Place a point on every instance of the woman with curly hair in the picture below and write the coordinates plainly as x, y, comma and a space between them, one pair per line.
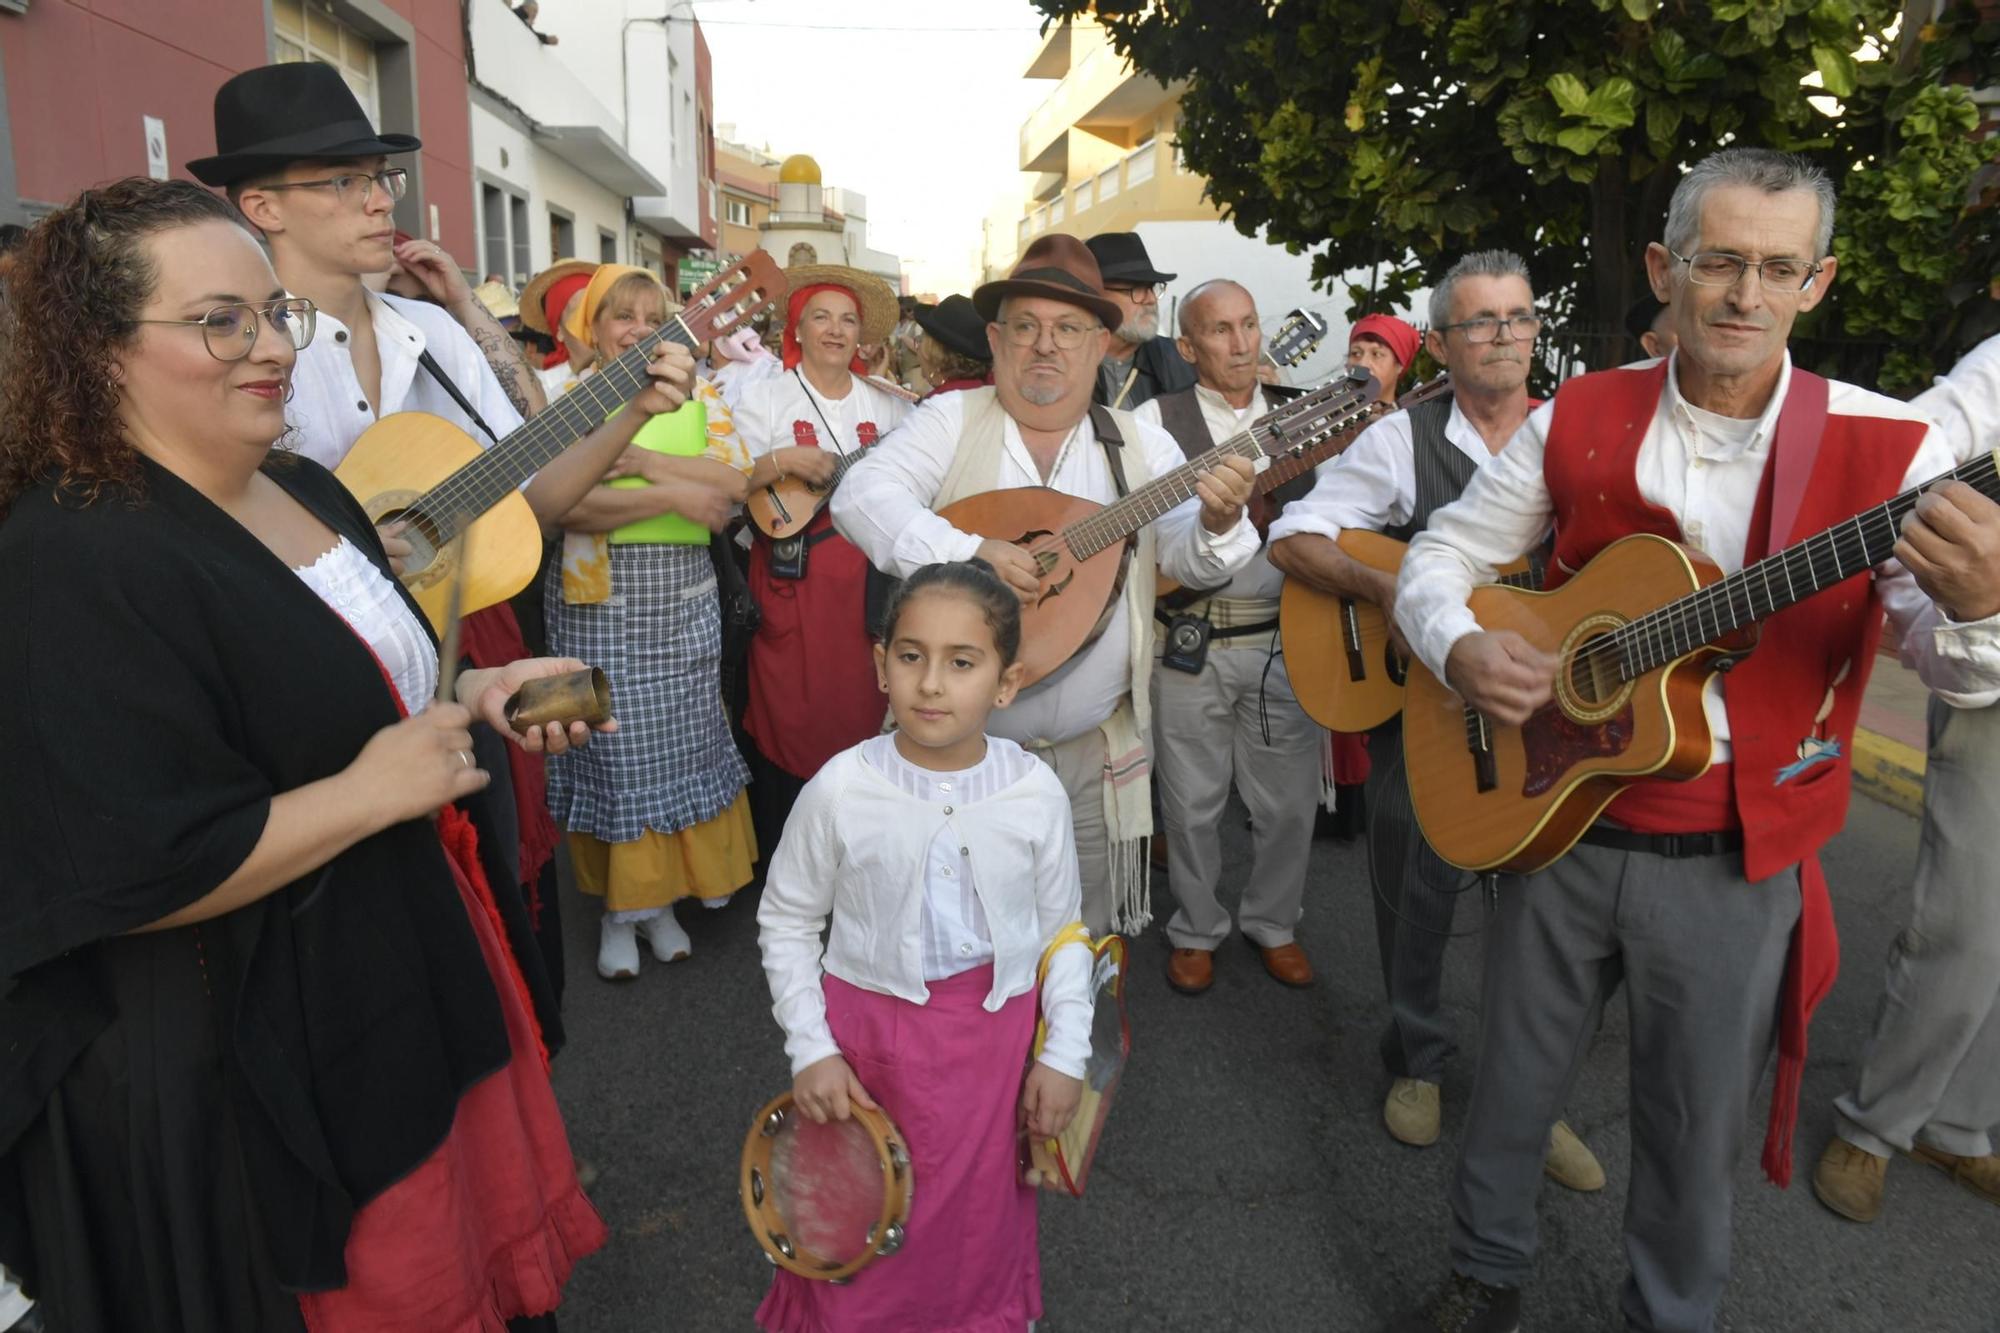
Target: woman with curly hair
268, 1061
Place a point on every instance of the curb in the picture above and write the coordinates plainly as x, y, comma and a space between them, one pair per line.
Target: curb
1889, 771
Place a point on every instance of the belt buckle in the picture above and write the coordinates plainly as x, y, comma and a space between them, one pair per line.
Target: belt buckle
1677, 846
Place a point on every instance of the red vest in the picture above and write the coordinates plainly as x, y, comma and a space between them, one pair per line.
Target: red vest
1774, 697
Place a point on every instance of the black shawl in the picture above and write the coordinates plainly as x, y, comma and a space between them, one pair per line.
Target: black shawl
309, 1050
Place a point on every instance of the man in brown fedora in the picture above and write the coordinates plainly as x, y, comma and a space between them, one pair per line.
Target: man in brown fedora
1036, 426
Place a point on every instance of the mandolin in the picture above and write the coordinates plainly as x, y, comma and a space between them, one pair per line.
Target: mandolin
1637, 632
1082, 548
1343, 664
421, 470
788, 504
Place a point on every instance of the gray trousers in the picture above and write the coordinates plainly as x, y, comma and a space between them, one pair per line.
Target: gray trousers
1079, 762
1931, 1071
1702, 955
1415, 896
1211, 726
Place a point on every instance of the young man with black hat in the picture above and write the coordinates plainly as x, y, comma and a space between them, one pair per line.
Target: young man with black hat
1037, 427
1138, 362
300, 159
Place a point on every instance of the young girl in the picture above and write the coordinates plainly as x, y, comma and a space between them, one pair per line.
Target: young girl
945, 859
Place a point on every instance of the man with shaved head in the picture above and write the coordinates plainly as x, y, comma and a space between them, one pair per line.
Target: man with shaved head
1223, 705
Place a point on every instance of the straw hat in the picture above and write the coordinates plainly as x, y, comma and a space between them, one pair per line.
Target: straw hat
877, 299
499, 302
538, 286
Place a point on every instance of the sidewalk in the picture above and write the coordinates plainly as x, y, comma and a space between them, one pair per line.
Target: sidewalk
1889, 740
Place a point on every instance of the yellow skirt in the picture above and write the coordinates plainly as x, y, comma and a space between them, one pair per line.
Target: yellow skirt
709, 860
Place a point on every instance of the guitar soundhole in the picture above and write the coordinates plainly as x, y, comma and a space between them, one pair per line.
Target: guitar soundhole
1593, 676
423, 536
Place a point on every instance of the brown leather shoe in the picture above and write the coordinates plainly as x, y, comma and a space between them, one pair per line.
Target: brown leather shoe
1287, 963
1191, 971
1981, 1175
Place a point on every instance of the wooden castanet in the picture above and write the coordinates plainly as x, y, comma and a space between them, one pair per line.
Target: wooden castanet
1077, 596
1343, 663
1492, 797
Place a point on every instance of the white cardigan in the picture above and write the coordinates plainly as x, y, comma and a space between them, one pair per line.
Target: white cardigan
855, 850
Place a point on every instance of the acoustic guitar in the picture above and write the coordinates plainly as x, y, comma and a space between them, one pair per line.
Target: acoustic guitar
1344, 666
1081, 547
1637, 634
421, 470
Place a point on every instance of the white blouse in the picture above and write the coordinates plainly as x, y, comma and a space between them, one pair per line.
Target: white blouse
861, 848
348, 582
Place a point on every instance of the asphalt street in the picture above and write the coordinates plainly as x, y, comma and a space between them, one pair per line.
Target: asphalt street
1246, 1181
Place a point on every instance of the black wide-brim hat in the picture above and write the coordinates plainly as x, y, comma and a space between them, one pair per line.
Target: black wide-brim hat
268, 117
1122, 257
955, 323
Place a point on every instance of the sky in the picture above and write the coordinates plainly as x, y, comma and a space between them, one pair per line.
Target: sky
916, 104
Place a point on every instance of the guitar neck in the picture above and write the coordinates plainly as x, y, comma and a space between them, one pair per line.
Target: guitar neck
453, 504
1779, 580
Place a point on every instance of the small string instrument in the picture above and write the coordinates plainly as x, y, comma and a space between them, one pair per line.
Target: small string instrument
421, 470
1636, 633
1082, 548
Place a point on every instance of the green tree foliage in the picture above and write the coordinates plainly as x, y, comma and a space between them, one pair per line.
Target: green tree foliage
1403, 133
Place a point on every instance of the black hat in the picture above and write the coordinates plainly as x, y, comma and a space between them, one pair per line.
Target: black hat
1122, 257
1639, 319
955, 323
267, 117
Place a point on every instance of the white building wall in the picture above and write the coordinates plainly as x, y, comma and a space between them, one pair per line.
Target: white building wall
505, 156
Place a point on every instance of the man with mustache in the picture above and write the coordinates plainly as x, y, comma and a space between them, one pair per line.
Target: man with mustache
1036, 426
1139, 363
1228, 708
1705, 899
1394, 476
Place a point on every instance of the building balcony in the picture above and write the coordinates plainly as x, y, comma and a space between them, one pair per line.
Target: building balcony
1098, 93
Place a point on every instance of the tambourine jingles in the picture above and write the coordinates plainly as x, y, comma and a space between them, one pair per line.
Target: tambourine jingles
825, 1200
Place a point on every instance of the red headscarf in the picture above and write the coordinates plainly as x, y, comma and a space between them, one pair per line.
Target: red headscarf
554, 300
796, 304
1392, 333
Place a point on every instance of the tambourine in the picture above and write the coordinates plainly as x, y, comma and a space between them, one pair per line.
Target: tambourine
825, 1200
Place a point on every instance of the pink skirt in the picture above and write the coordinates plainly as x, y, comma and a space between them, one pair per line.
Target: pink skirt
949, 1074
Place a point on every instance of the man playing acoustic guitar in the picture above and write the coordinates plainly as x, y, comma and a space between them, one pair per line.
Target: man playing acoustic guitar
1390, 480
1704, 897
1036, 427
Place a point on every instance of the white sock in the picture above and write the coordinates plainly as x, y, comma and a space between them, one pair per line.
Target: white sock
717, 904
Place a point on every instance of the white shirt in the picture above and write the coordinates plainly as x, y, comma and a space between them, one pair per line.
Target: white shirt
329, 411
1372, 484
1966, 403
1259, 580
883, 507
349, 583
857, 849
1707, 476
770, 407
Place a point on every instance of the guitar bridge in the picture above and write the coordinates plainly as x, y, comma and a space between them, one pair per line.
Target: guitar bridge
1479, 742
1350, 630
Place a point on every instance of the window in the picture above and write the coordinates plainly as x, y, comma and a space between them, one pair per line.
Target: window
1041, 220
1139, 164
1024, 231
503, 227
607, 247
562, 237
1056, 211
1107, 182
313, 34
739, 212
1084, 195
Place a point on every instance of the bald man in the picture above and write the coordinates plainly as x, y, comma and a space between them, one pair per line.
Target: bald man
1223, 705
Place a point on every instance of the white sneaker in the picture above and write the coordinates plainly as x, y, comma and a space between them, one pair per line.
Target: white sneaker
617, 950
717, 904
670, 943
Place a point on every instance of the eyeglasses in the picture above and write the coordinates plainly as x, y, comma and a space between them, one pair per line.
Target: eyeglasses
230, 331
1140, 292
1026, 331
1486, 328
1718, 268
393, 181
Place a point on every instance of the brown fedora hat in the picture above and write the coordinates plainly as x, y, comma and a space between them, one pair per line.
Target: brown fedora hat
1056, 267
